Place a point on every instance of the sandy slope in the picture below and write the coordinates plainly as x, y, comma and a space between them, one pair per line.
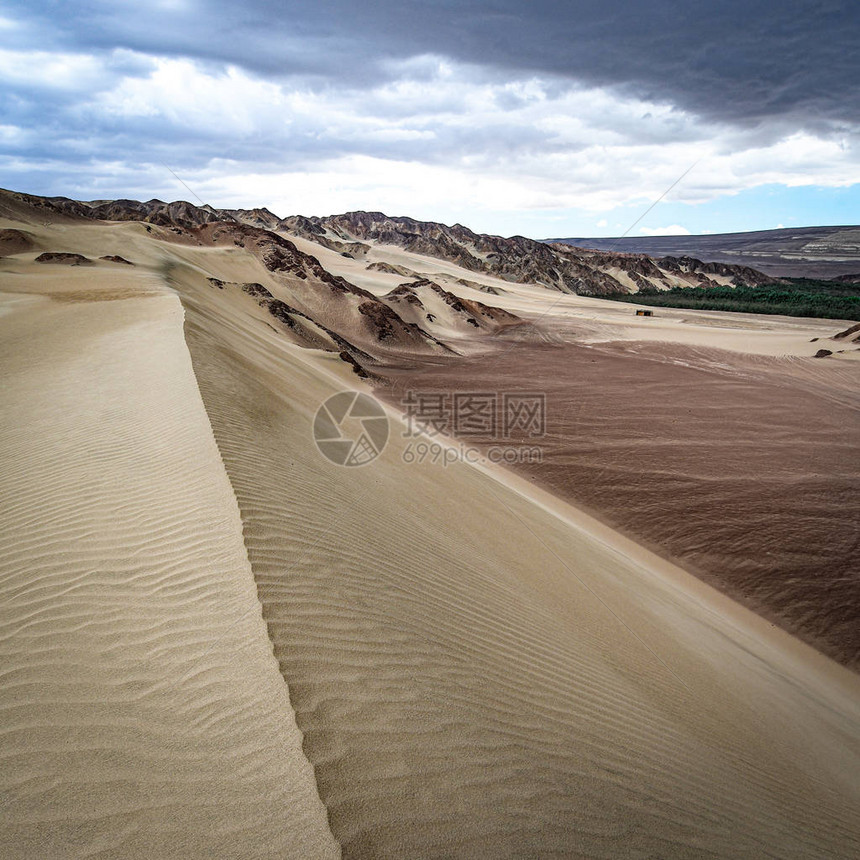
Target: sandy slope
746, 469
475, 676
477, 670
141, 710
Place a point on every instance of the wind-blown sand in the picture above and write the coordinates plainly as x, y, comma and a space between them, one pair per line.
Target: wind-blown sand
141, 710
476, 676
468, 666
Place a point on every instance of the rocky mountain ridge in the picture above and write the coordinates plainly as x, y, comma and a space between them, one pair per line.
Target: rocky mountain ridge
790, 252
523, 260
517, 259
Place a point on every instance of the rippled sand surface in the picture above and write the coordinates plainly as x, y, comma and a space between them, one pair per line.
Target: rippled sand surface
478, 674
141, 710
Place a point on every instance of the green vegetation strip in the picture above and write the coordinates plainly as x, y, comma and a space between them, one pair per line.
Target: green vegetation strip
795, 297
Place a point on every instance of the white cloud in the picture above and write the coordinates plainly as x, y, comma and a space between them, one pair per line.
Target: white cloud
548, 146
50, 70
12, 134
671, 230
356, 182
439, 136
228, 102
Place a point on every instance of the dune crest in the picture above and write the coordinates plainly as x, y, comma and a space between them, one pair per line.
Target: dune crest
474, 675
141, 710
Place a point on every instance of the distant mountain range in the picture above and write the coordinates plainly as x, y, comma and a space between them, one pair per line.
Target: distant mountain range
798, 252
516, 259
585, 265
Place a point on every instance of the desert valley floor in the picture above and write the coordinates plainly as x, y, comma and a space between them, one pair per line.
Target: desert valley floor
216, 643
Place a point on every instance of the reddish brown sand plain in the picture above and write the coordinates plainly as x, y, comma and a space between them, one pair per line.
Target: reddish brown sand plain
744, 469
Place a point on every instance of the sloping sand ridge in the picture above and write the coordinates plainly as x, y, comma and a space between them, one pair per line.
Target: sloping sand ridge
141, 710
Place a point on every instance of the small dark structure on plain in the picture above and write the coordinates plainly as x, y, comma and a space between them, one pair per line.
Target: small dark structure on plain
641, 312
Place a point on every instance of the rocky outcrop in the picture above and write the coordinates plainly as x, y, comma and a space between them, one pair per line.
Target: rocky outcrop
387, 326
739, 275
114, 258
15, 242
308, 228
63, 258
430, 303
179, 214
390, 269
308, 330
259, 217
348, 309
278, 254
852, 333
484, 288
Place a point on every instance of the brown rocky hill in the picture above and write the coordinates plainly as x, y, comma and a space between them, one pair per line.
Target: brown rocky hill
519, 259
179, 214
427, 304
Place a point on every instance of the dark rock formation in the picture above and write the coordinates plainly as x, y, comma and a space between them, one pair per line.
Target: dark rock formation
359, 370
472, 313
15, 242
64, 259
740, 275
853, 330
389, 269
256, 290
519, 259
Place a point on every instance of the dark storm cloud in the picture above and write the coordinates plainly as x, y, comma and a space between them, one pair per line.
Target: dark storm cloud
733, 61
507, 106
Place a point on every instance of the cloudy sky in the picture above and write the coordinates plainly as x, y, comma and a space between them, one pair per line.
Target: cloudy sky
541, 118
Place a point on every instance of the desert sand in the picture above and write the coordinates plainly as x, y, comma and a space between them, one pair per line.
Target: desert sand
217, 643
141, 709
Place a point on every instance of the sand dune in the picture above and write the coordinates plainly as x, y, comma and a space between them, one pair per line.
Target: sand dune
464, 665
475, 676
141, 711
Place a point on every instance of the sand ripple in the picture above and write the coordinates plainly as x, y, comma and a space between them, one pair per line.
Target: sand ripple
475, 677
141, 711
